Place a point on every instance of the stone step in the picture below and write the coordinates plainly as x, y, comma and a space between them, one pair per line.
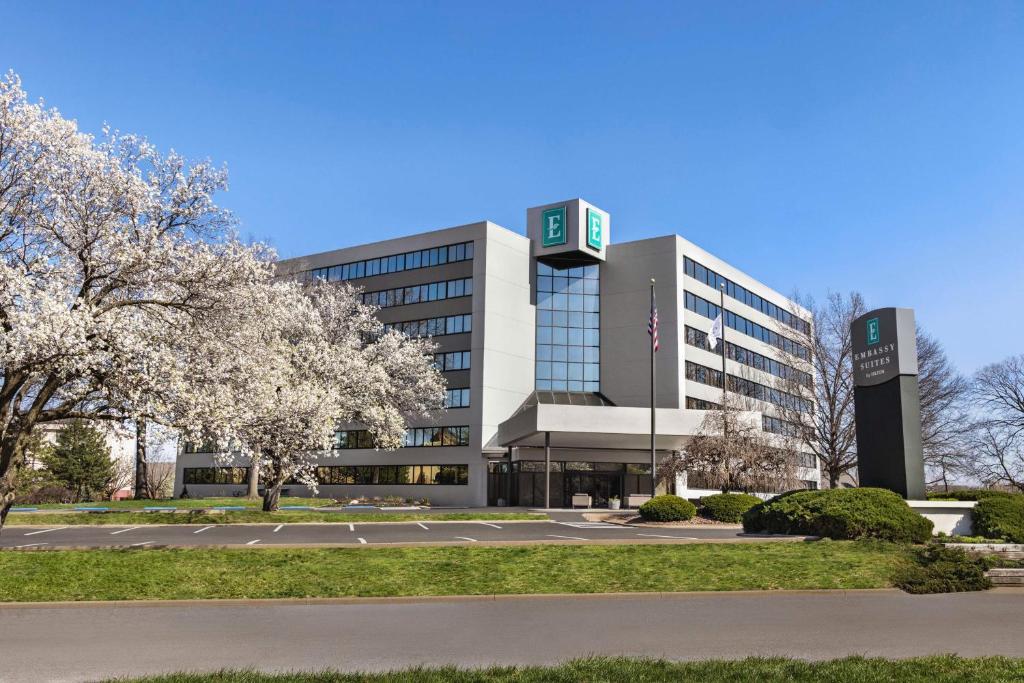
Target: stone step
1006, 577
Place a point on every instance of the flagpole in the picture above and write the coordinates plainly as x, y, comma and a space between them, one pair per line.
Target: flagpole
721, 308
654, 475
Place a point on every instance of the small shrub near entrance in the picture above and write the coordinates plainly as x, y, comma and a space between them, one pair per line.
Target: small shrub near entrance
1000, 517
727, 507
840, 514
938, 569
971, 494
667, 509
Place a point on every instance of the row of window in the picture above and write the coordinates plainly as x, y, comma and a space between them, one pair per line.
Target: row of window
410, 260
582, 466
452, 360
415, 294
588, 272
695, 337
456, 398
216, 475
711, 377
709, 310
415, 437
434, 327
778, 426
370, 475
693, 403
449, 475
740, 293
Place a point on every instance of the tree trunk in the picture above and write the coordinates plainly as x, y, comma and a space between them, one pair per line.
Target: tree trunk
254, 478
833, 479
141, 480
272, 496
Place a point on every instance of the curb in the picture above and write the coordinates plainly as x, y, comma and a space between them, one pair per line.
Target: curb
412, 599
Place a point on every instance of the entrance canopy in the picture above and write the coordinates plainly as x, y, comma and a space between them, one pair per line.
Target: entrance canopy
599, 425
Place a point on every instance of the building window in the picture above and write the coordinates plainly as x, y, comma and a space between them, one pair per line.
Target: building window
568, 341
216, 475
700, 404
414, 437
452, 360
709, 310
745, 387
410, 260
416, 294
715, 281
698, 339
434, 327
390, 475
456, 398
810, 484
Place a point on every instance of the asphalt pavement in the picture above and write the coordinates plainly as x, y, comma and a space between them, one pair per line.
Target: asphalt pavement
356, 534
90, 642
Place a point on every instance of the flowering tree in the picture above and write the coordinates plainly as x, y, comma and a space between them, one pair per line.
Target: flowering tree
112, 257
318, 358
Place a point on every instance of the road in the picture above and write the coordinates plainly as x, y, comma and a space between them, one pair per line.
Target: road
89, 642
355, 534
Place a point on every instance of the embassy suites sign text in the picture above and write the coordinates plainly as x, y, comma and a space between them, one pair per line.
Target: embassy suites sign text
884, 346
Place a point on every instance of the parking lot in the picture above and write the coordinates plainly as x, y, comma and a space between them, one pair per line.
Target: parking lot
354, 534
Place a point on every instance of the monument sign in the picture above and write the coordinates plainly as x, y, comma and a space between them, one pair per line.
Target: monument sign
887, 402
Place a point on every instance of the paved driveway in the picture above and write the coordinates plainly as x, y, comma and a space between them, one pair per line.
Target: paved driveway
87, 642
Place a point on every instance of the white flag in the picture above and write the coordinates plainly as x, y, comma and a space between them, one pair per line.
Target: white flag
716, 332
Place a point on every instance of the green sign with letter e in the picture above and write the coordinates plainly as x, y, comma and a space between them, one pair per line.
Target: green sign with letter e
553, 227
595, 225
873, 331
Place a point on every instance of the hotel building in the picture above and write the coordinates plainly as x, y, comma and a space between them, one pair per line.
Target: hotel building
543, 342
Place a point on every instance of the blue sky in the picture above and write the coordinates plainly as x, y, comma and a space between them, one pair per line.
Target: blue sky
818, 146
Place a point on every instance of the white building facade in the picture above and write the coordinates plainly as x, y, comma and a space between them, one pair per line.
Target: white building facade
543, 342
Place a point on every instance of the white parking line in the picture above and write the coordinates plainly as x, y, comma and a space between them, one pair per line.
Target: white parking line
571, 538
253, 541
423, 526
30, 545
199, 531
466, 538
351, 527
44, 531
114, 533
278, 528
682, 538
489, 524
136, 545
362, 540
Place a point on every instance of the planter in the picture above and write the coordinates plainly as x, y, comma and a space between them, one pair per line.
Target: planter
614, 504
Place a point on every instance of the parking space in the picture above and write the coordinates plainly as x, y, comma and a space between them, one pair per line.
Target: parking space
343, 534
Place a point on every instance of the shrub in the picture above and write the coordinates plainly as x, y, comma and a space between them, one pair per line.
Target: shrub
971, 494
1000, 517
937, 569
727, 507
840, 514
667, 509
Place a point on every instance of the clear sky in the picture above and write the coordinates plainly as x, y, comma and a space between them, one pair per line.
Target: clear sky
819, 146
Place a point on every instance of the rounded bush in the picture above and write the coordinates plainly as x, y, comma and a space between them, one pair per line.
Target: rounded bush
840, 514
667, 509
727, 507
1000, 517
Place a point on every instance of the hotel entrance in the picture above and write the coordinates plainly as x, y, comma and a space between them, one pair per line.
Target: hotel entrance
521, 483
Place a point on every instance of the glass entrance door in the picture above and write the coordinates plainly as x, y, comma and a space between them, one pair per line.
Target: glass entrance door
600, 485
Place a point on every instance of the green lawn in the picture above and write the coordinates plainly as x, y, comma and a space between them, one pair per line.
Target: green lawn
252, 517
182, 503
940, 669
207, 573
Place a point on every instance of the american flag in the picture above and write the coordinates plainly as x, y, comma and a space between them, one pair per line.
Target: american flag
652, 324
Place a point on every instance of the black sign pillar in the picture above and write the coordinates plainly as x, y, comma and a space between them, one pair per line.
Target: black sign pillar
887, 402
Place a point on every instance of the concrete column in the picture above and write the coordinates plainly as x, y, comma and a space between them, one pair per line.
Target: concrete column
547, 470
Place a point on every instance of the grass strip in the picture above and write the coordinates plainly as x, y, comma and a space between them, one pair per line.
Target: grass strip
252, 517
936, 669
206, 573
